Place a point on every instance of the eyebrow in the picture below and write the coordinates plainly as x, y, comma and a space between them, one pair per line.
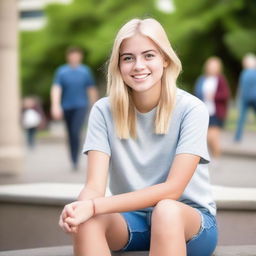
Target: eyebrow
127, 53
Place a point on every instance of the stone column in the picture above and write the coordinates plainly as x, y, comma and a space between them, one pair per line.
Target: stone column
11, 155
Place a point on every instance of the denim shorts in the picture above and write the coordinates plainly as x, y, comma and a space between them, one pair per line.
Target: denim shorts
139, 226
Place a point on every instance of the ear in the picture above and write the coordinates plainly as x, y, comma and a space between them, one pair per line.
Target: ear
166, 63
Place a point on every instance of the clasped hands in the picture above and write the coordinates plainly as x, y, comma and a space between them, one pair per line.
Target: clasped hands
74, 214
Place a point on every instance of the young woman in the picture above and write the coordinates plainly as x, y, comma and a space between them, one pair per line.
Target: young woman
212, 88
151, 139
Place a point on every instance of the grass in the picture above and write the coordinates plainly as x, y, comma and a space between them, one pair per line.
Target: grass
232, 118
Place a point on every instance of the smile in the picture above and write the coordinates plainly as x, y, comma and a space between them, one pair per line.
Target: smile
141, 76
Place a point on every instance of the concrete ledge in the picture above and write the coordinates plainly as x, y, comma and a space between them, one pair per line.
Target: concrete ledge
228, 198
45, 201
234, 198
237, 152
40, 193
248, 250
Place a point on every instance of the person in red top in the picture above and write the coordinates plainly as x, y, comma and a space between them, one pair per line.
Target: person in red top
213, 89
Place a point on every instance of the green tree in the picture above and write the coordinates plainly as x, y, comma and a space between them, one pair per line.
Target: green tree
200, 28
89, 24
197, 29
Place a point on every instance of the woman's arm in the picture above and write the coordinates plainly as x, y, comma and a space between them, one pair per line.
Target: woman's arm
180, 174
97, 173
95, 186
182, 170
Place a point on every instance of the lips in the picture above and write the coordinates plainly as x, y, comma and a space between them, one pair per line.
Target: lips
140, 76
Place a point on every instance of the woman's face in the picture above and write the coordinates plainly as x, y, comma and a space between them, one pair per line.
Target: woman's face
141, 63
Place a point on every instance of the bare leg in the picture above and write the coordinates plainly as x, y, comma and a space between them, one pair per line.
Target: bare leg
100, 234
173, 223
214, 141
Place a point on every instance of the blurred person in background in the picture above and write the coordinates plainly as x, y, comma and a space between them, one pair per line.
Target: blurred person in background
212, 88
246, 92
33, 118
72, 93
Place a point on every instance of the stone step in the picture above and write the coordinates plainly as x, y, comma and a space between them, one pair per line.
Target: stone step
44, 202
245, 250
228, 198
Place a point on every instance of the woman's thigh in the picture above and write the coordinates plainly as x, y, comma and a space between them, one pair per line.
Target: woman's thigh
117, 234
202, 243
199, 226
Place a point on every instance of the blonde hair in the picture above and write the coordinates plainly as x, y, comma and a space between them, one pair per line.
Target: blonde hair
122, 106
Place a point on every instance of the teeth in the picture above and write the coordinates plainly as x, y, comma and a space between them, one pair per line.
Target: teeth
140, 76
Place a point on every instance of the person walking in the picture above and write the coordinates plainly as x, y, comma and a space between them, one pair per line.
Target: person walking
213, 89
72, 92
246, 93
150, 139
33, 118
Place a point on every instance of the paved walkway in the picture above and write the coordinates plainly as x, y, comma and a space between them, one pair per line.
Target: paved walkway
245, 148
237, 166
49, 162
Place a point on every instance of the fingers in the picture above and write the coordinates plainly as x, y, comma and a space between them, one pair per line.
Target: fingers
63, 215
72, 222
69, 213
69, 209
66, 227
62, 218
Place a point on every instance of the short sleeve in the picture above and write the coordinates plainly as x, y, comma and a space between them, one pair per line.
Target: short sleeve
97, 134
193, 133
57, 77
90, 81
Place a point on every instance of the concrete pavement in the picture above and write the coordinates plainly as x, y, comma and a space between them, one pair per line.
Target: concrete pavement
49, 162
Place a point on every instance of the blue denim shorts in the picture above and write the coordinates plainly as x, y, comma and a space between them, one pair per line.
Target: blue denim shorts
139, 226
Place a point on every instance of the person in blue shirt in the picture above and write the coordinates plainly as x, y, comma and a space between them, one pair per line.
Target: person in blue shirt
246, 93
72, 92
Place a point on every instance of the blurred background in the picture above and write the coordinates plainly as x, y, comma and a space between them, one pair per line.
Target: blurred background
34, 37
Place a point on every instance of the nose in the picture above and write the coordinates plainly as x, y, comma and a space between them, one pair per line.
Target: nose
139, 64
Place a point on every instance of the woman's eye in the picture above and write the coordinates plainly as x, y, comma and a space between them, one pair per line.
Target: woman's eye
149, 56
128, 58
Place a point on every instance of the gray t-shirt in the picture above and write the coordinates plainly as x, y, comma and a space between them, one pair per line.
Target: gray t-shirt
146, 160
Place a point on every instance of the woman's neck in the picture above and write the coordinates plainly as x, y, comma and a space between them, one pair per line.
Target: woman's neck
147, 100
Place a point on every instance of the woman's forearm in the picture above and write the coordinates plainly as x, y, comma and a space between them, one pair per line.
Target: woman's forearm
131, 201
88, 193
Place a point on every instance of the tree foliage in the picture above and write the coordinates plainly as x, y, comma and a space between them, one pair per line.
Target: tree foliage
197, 30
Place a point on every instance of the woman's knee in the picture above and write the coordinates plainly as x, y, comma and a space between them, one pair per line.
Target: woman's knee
167, 212
111, 226
99, 222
